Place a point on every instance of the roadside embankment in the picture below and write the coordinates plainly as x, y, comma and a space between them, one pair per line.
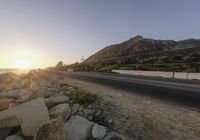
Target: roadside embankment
178, 75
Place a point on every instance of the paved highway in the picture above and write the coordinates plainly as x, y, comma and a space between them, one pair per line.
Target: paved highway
175, 90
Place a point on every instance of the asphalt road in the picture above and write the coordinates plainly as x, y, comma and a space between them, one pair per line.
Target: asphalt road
174, 90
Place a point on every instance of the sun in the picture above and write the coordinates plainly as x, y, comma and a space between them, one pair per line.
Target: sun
23, 64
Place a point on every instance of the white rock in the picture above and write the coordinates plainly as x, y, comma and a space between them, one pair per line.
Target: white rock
90, 118
98, 131
65, 87
87, 112
110, 121
52, 101
14, 137
61, 110
75, 108
77, 128
97, 113
89, 106
29, 116
70, 89
81, 108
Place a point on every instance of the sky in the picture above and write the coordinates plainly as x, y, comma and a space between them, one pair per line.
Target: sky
40, 33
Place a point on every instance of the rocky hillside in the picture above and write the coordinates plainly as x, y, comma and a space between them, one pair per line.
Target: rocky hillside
141, 50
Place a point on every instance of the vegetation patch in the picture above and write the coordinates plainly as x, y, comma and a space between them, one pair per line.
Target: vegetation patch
61, 83
81, 97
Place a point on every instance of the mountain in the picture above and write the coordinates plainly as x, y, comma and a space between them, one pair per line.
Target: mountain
139, 50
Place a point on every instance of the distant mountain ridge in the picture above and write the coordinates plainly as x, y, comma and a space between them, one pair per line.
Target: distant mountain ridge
138, 46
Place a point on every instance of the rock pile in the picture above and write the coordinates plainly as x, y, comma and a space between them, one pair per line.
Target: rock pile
44, 112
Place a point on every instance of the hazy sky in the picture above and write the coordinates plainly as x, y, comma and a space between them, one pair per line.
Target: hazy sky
46, 31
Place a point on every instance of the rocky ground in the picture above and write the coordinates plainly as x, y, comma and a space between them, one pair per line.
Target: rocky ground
138, 116
33, 106
48, 105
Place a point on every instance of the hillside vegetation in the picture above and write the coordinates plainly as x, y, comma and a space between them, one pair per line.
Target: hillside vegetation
140, 53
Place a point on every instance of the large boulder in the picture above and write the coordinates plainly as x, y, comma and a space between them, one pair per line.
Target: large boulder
14, 137
43, 93
98, 131
52, 130
29, 116
2, 86
11, 86
77, 128
5, 102
52, 101
6, 78
25, 97
44, 83
61, 110
12, 94
21, 95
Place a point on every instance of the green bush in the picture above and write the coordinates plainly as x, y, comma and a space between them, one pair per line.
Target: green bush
81, 97
105, 69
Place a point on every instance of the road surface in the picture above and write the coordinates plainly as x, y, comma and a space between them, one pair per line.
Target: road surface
175, 90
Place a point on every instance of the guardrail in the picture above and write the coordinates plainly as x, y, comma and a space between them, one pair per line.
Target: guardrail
178, 75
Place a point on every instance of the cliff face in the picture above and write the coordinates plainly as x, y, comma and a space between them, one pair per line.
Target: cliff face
143, 47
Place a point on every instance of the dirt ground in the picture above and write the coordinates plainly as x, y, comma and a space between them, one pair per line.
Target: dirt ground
141, 117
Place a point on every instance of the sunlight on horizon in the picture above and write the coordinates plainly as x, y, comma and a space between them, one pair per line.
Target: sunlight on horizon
24, 58
23, 64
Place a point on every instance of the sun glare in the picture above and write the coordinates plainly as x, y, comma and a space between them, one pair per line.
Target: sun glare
23, 64
23, 57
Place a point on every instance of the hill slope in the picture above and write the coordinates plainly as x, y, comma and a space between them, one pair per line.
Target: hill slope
144, 49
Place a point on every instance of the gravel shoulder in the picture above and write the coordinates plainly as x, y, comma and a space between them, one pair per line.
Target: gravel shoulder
141, 117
